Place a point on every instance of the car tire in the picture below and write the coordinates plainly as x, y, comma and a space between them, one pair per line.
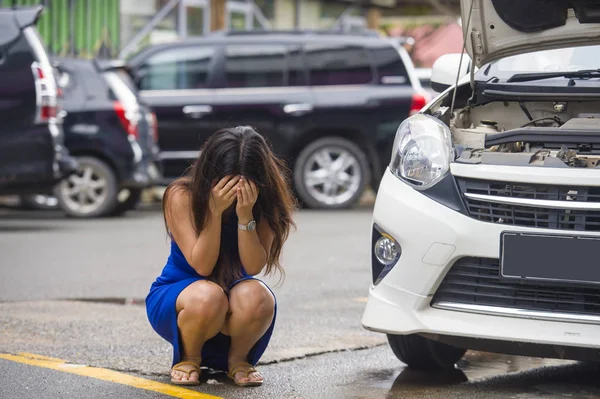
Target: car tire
424, 354
331, 186
91, 192
130, 203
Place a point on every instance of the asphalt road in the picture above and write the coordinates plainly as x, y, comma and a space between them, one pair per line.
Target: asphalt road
74, 290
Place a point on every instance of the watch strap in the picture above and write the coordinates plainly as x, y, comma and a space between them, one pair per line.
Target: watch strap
246, 227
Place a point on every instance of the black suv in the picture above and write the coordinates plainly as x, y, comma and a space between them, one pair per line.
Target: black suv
32, 155
112, 134
329, 104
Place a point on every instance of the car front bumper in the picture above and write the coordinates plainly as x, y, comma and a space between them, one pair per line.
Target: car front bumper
432, 238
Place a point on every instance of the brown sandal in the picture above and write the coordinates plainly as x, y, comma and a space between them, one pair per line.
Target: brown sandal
189, 382
247, 369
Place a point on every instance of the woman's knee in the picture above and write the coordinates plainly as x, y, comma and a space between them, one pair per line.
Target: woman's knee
252, 298
203, 297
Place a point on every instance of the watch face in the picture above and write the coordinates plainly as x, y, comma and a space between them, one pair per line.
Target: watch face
251, 225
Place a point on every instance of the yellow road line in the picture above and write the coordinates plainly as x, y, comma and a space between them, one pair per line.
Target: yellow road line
105, 375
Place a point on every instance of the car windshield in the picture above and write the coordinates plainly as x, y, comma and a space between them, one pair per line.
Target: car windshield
559, 60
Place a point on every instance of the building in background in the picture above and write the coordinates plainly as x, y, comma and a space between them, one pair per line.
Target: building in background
158, 21
119, 28
78, 27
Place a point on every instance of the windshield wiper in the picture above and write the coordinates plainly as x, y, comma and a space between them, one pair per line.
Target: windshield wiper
581, 74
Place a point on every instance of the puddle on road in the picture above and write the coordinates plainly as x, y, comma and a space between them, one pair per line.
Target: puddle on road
498, 373
482, 365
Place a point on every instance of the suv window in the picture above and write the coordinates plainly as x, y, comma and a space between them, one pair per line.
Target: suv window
390, 68
332, 64
255, 66
176, 69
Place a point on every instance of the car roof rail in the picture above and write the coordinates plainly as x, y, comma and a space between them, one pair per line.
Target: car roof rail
106, 65
299, 32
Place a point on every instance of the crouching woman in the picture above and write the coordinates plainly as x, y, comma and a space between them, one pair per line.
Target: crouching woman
227, 219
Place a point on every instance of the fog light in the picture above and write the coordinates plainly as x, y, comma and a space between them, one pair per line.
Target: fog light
386, 251
385, 254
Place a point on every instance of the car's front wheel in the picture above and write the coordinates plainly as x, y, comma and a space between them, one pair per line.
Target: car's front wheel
331, 173
91, 192
424, 354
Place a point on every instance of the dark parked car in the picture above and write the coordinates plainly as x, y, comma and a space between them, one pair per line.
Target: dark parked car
329, 104
32, 155
111, 133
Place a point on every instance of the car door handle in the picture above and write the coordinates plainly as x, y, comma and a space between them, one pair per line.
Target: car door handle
297, 109
197, 111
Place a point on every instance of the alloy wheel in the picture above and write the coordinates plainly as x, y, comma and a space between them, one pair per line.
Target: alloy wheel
86, 191
332, 175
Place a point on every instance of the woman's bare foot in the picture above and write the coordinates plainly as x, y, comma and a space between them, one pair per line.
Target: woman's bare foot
187, 371
242, 376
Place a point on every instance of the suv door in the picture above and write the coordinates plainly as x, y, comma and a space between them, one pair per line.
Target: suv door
263, 85
341, 79
175, 82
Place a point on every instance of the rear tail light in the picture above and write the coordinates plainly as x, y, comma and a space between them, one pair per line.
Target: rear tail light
127, 119
39, 72
46, 94
47, 112
418, 102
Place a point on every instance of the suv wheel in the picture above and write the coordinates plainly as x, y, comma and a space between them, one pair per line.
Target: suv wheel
91, 192
424, 354
331, 173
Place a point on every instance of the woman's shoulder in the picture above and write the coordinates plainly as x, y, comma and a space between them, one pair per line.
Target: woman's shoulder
178, 192
177, 201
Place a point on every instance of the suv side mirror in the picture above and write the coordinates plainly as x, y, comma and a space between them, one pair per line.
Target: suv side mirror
445, 69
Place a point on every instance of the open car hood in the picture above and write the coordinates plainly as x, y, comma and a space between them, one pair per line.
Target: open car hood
501, 28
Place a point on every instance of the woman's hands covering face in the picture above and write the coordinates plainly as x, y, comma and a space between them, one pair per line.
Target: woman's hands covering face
224, 193
247, 194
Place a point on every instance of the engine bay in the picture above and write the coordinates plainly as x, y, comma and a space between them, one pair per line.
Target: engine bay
537, 133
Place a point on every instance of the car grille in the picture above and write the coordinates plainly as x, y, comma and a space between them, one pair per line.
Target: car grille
533, 205
477, 281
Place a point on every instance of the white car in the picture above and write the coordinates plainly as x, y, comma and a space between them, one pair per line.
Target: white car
486, 227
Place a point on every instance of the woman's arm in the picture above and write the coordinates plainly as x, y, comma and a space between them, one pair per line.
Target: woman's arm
200, 250
254, 246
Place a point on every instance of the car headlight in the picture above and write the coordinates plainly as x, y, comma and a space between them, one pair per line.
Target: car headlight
422, 151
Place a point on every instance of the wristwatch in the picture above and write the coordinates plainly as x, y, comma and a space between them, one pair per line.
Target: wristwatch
248, 227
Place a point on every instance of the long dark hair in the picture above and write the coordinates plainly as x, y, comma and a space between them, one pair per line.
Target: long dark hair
240, 151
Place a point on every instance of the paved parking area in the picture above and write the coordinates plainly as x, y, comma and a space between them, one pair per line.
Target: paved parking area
73, 290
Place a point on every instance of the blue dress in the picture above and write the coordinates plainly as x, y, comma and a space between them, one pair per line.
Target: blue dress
162, 313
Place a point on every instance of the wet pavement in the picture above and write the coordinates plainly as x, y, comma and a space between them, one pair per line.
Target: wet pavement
377, 374
361, 374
